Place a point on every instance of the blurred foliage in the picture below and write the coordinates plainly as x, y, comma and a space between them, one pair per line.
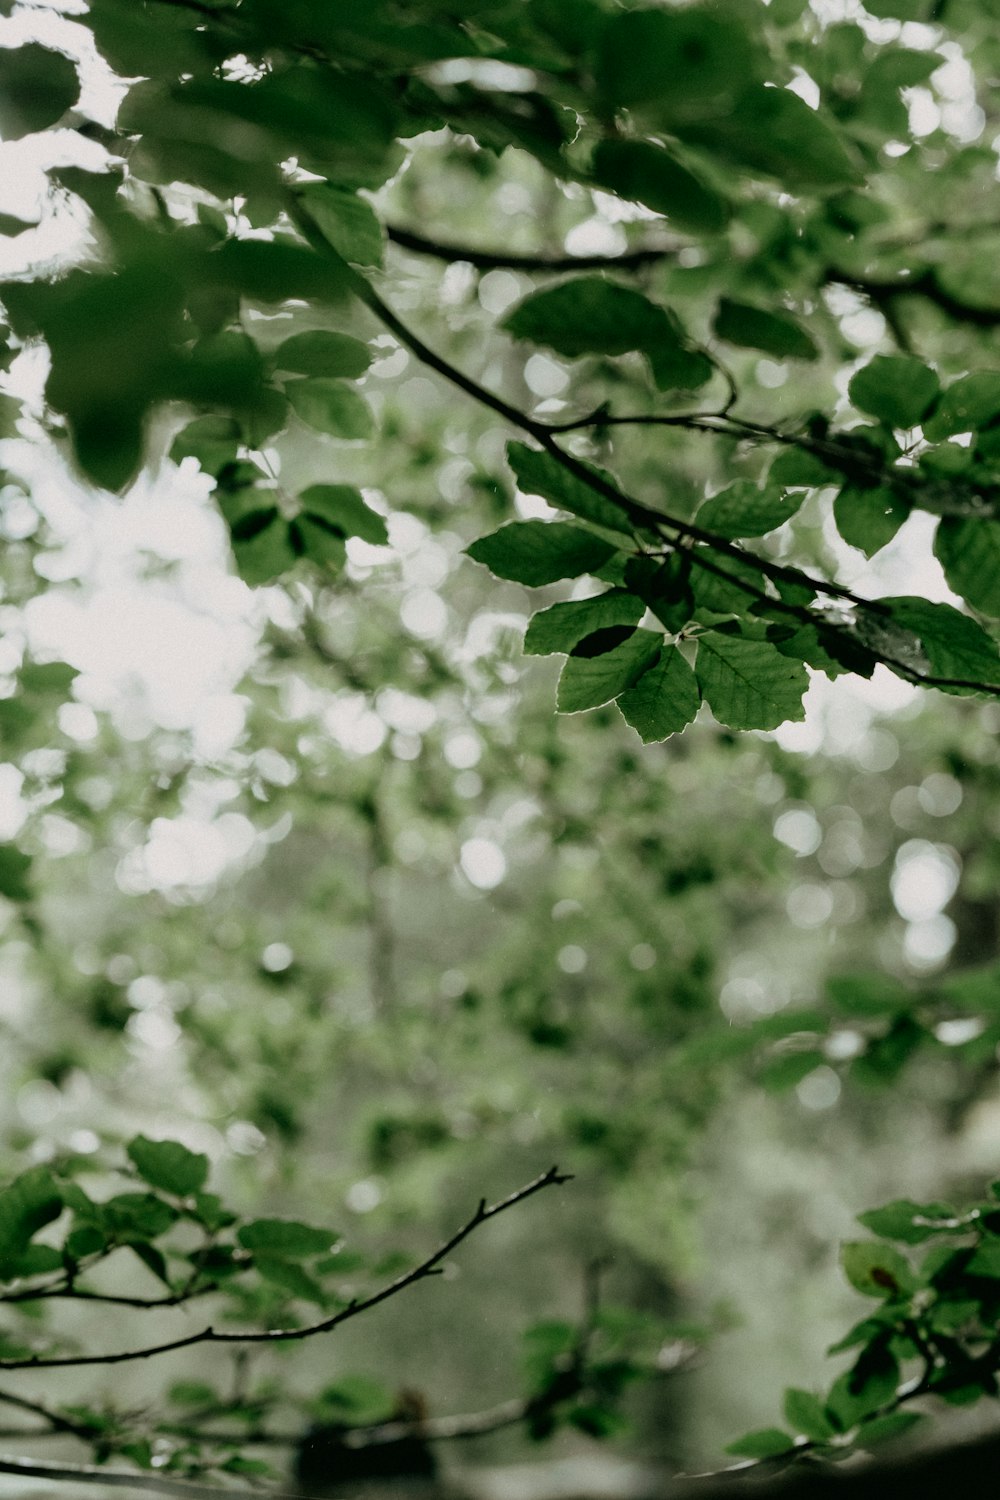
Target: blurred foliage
300, 874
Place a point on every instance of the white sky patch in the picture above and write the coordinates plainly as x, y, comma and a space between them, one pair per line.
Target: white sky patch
924, 880
483, 863
175, 646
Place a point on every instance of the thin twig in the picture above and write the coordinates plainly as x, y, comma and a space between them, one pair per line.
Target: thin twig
429, 1267
134, 1479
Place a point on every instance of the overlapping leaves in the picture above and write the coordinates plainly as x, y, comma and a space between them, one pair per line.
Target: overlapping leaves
933, 1333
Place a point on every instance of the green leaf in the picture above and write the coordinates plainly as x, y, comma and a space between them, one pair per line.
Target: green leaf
320, 353
348, 222
588, 315
26, 1206
867, 994
168, 1165
882, 1429
563, 626
591, 315
331, 406
766, 1442
745, 510
664, 700
290, 1277
538, 473
967, 405
286, 1238
896, 389
706, 57
789, 1068
869, 1385
14, 868
777, 334
749, 684
540, 552
877, 1270
804, 1413
310, 537
588, 681
37, 87
955, 645
799, 469
869, 519
775, 132
649, 174
213, 441
969, 553
342, 509
266, 552
909, 1222
137, 1216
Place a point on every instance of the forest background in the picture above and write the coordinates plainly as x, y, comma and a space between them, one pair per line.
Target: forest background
301, 870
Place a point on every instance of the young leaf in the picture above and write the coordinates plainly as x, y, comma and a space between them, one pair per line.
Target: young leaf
664, 700
749, 684
896, 389
588, 681
540, 552
910, 1222
767, 1442
563, 626
877, 1270
331, 406
804, 1413
775, 333
745, 510
169, 1165
335, 355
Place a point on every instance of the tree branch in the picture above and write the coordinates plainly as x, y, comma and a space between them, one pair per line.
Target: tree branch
924, 285
641, 516
429, 1267
134, 1479
492, 260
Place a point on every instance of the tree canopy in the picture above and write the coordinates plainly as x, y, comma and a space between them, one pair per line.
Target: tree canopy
420, 341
